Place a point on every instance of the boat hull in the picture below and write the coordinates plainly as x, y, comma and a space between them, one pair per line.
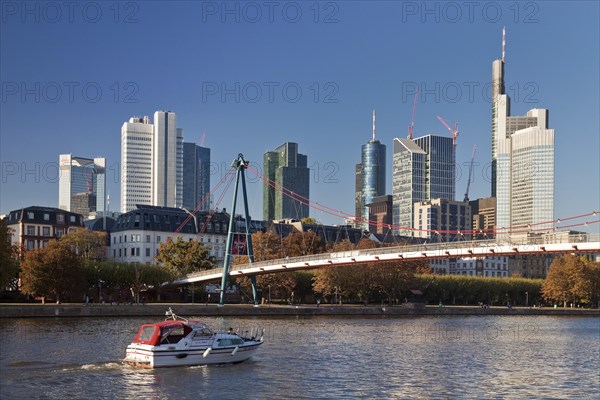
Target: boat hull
156, 357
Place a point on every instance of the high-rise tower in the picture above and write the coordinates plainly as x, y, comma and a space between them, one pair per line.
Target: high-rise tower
82, 184
285, 168
423, 169
370, 181
522, 160
196, 176
151, 162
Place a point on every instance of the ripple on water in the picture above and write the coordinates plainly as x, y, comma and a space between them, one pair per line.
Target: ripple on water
315, 358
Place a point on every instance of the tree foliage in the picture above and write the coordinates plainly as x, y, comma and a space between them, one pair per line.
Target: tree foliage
301, 244
133, 277
52, 271
183, 257
89, 245
572, 280
364, 282
462, 289
9, 266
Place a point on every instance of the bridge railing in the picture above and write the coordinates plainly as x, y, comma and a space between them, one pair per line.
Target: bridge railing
412, 248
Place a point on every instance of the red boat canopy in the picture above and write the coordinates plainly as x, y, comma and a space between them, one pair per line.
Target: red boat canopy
152, 333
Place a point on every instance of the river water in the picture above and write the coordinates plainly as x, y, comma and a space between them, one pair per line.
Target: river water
315, 358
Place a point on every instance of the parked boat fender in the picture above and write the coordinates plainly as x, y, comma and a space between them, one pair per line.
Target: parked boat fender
207, 352
235, 350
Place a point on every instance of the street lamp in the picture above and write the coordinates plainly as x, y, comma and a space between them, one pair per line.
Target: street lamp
99, 291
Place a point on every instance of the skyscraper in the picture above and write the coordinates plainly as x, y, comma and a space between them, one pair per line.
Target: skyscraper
151, 162
372, 177
285, 168
167, 157
82, 184
522, 160
196, 177
408, 182
423, 169
440, 168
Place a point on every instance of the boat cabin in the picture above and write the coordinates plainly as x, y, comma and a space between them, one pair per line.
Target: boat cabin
169, 332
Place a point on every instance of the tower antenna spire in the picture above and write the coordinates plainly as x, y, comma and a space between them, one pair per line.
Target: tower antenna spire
373, 125
503, 43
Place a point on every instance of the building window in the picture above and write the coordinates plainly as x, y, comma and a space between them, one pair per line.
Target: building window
30, 245
60, 218
46, 231
59, 232
46, 217
72, 218
119, 252
133, 251
30, 230
125, 238
30, 215
114, 253
137, 251
147, 251
158, 239
147, 238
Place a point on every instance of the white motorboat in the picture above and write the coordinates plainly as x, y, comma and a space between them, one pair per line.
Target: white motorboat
181, 342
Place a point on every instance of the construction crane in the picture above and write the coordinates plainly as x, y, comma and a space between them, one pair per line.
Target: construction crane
454, 131
412, 120
466, 200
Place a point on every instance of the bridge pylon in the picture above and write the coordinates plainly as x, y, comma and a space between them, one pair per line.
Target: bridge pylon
240, 165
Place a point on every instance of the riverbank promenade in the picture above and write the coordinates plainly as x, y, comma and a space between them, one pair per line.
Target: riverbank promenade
21, 310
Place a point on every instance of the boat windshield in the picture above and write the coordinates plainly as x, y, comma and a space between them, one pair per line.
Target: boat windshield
173, 334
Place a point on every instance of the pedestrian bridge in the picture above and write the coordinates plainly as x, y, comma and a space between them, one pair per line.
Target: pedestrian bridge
578, 243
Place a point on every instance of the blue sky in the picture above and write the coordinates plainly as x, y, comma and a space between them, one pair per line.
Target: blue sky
254, 75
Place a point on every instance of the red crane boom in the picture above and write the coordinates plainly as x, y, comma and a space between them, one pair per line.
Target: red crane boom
454, 131
466, 199
412, 120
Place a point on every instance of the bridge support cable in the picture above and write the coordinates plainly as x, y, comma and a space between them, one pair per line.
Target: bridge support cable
240, 165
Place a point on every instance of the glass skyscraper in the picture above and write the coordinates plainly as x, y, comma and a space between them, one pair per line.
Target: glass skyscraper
408, 183
440, 168
424, 169
82, 184
522, 161
196, 177
372, 178
285, 168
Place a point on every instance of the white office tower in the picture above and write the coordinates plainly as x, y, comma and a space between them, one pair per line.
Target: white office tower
152, 162
522, 164
167, 162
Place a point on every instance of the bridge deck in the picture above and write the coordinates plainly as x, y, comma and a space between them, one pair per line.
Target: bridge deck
584, 243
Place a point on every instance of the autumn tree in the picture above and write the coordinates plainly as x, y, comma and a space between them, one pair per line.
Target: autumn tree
89, 245
54, 270
268, 246
134, 277
9, 266
184, 257
572, 279
365, 281
302, 243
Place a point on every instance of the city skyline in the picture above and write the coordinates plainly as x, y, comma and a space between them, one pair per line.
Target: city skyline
329, 132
